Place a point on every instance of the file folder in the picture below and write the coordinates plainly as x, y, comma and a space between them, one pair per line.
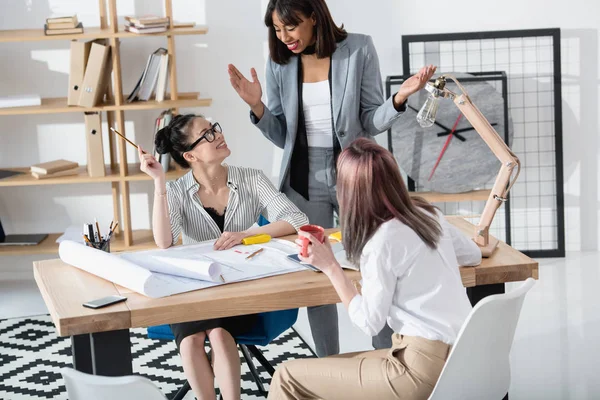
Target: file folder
80, 52
96, 76
95, 149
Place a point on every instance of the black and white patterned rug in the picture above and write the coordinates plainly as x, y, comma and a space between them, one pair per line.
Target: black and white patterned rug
31, 356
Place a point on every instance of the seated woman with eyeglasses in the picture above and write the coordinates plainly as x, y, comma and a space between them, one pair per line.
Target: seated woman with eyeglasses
212, 201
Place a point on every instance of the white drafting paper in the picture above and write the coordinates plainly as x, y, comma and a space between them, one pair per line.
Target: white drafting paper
149, 274
192, 266
124, 273
71, 233
233, 264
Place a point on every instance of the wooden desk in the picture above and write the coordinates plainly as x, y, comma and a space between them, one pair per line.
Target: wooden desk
65, 288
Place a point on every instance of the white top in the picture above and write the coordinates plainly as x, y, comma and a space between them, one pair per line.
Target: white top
418, 291
316, 103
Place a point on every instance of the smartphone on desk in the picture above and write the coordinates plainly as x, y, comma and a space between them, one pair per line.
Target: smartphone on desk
105, 301
294, 257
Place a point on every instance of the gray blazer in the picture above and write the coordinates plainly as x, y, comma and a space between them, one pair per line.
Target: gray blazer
359, 109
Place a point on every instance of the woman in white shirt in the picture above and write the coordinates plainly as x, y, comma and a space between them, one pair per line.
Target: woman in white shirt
211, 201
409, 258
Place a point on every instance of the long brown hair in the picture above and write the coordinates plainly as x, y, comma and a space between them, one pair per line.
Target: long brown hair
371, 191
327, 33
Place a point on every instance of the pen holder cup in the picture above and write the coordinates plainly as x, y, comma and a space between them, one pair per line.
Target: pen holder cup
104, 246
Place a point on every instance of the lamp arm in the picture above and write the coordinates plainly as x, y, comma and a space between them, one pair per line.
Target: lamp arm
508, 159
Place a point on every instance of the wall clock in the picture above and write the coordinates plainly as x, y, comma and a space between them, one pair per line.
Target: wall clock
450, 156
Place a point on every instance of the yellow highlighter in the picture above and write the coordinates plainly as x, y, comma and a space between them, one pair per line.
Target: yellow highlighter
256, 239
336, 236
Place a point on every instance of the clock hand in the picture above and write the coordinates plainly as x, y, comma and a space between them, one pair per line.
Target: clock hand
445, 146
461, 130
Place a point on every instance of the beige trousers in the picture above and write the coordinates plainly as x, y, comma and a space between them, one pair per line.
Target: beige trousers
409, 370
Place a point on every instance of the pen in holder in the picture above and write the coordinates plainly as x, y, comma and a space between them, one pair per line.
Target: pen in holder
95, 239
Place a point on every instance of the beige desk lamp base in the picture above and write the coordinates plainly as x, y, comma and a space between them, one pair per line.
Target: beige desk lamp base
487, 251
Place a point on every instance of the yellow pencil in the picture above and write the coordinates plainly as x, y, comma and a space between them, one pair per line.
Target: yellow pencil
127, 140
98, 229
253, 254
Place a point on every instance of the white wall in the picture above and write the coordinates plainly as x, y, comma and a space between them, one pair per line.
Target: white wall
237, 35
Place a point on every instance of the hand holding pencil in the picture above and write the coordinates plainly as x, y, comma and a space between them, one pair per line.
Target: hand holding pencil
150, 166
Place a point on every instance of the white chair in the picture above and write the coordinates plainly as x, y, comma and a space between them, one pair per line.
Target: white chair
82, 386
478, 366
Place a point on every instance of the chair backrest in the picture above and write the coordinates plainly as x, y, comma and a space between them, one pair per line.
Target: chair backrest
478, 366
81, 386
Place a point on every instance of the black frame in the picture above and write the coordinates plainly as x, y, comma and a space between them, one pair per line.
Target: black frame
554, 33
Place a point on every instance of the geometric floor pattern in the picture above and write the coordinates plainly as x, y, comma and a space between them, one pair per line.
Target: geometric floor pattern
31, 356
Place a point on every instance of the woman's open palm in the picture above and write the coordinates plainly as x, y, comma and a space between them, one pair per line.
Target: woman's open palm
417, 81
250, 92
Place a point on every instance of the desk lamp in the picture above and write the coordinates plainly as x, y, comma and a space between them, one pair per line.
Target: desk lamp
508, 160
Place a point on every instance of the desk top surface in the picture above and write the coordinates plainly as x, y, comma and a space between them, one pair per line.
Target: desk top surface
65, 288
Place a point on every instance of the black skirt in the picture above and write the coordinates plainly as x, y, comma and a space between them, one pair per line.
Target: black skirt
236, 326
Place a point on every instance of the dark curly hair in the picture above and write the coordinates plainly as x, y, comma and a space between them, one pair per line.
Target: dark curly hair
175, 138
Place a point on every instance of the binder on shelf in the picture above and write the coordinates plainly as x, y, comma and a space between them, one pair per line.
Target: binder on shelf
147, 83
95, 79
95, 149
163, 73
163, 120
80, 52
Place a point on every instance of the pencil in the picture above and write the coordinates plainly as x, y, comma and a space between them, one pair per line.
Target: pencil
87, 240
255, 253
127, 140
98, 229
222, 279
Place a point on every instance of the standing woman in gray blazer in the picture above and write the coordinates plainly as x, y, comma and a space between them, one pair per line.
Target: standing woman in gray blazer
324, 90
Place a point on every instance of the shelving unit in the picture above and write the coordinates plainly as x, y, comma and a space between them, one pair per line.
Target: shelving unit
37, 35
57, 105
119, 173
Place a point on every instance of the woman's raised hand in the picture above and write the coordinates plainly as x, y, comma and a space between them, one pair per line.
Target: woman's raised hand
150, 166
250, 92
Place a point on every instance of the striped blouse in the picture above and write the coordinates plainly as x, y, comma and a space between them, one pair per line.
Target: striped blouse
251, 194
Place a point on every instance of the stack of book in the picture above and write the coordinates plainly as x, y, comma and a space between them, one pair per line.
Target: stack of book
146, 24
163, 120
62, 26
153, 78
53, 169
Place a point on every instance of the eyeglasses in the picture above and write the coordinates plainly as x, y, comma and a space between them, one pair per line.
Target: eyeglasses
209, 135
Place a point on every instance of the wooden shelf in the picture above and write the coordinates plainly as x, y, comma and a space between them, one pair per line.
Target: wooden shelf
435, 197
142, 239
35, 35
112, 175
59, 105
